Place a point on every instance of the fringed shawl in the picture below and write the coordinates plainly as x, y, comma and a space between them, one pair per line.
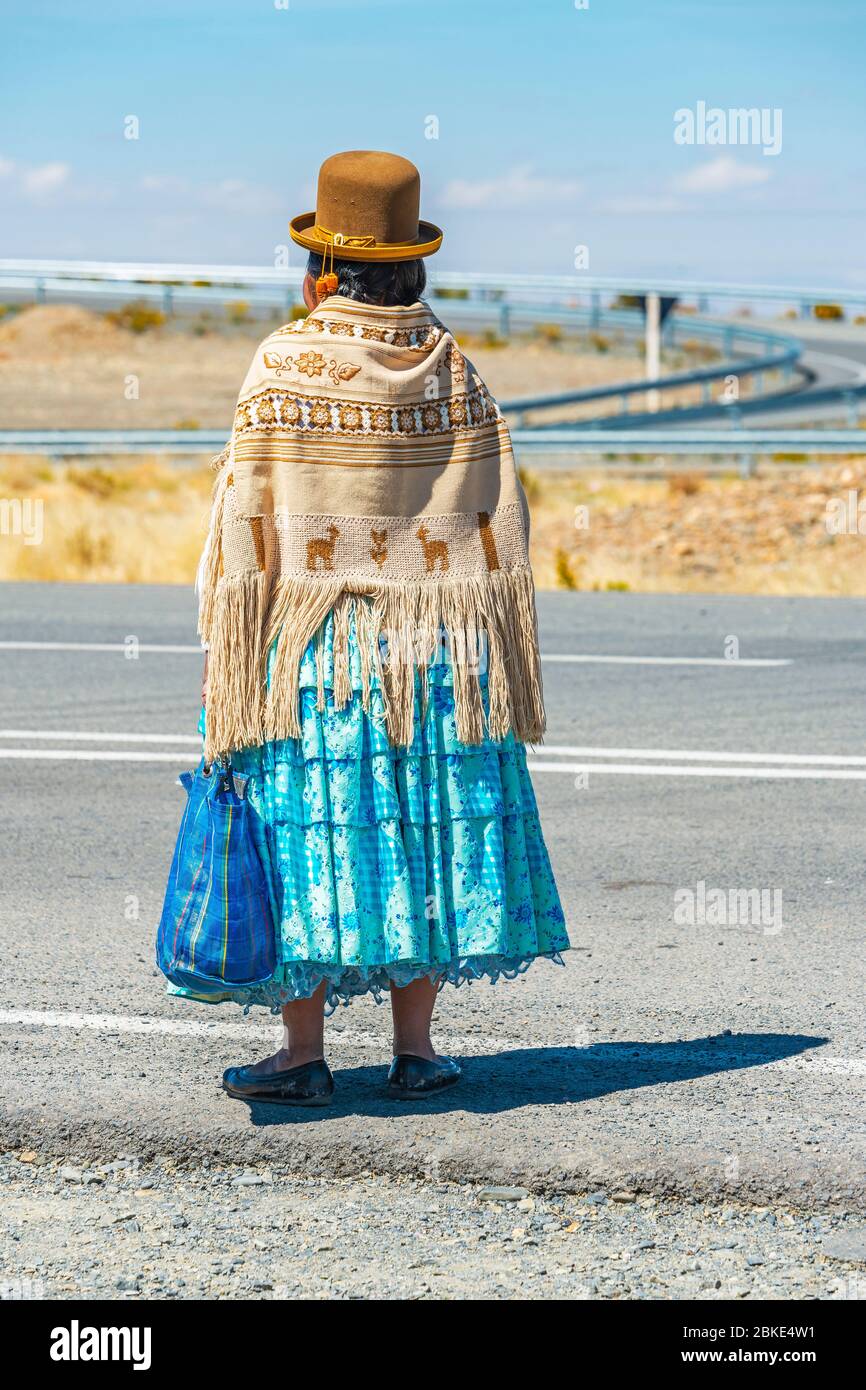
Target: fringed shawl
369, 472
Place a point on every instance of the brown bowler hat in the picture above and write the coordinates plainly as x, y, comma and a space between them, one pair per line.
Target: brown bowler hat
367, 210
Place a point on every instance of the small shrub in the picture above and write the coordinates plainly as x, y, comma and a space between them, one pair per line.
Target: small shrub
87, 549
599, 342
20, 475
452, 294
618, 585
549, 332
828, 311
97, 482
566, 577
685, 484
237, 311
299, 311
626, 301
187, 424
137, 316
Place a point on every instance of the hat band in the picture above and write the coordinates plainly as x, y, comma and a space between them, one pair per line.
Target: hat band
336, 239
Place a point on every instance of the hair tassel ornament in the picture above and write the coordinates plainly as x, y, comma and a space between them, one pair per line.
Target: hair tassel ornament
327, 282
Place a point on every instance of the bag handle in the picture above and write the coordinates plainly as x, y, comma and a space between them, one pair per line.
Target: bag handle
232, 781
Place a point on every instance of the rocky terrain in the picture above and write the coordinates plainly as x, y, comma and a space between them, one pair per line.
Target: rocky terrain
121, 1229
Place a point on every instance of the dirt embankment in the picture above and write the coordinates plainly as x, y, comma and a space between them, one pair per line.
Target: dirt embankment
64, 367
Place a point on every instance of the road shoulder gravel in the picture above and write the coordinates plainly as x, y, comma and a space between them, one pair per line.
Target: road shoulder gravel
126, 1230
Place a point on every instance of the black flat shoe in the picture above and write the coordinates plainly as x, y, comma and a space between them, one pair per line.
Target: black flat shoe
311, 1084
414, 1078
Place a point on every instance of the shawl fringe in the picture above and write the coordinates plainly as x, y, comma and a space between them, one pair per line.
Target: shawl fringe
489, 624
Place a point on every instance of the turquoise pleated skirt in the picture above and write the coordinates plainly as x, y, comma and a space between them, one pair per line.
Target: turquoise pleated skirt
386, 864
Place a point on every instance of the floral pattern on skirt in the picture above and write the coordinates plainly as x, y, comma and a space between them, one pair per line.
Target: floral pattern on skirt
386, 864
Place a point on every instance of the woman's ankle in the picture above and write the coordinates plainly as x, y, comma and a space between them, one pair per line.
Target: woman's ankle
414, 1047
301, 1054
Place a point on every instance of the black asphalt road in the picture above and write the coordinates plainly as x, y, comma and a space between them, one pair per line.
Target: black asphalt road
705, 1057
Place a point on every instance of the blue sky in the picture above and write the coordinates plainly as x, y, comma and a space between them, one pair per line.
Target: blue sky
555, 129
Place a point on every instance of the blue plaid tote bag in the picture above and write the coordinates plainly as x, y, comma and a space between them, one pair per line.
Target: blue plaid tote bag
216, 929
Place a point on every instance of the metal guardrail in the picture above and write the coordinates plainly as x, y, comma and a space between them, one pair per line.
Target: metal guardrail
161, 272
512, 299
88, 443
851, 401
765, 442
505, 309
772, 351
785, 357
576, 284
576, 445
563, 437
572, 445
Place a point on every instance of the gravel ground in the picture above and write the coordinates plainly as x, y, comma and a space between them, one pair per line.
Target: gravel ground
121, 1229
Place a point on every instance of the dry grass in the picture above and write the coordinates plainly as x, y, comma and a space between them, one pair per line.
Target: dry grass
144, 522
767, 535
141, 523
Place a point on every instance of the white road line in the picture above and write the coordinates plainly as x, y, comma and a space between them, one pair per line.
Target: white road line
97, 647
755, 765
848, 364
812, 1063
705, 755
703, 770
556, 750
88, 755
668, 660
92, 755
194, 1028
85, 736
545, 656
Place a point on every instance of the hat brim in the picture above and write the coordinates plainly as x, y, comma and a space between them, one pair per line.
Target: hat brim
429, 239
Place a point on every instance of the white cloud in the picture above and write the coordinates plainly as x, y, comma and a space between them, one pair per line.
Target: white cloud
721, 175
228, 195
163, 183
639, 203
725, 174
519, 187
7, 167
45, 178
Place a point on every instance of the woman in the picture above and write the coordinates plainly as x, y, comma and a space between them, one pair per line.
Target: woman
366, 599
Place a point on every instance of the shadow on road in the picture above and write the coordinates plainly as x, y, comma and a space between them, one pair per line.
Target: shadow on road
502, 1081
